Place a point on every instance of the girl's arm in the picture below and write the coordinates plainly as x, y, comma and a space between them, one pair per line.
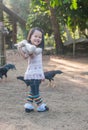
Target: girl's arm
24, 55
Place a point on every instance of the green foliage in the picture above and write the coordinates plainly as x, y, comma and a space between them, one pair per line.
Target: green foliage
70, 12
54, 3
78, 17
41, 20
49, 40
73, 17
74, 4
39, 16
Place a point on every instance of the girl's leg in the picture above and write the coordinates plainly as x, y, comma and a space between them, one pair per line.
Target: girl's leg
35, 91
30, 97
36, 95
33, 95
28, 106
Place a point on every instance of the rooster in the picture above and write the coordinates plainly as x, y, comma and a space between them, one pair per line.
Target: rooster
49, 75
4, 69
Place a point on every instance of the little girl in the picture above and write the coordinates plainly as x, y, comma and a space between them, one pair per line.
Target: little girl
34, 72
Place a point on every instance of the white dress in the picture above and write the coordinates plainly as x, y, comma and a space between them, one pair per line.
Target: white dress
35, 68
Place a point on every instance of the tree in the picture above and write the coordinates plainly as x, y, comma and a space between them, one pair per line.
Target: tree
52, 5
2, 48
56, 30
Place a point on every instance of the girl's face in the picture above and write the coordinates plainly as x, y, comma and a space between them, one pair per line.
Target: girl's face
36, 38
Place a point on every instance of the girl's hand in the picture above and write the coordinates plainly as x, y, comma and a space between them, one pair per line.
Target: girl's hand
26, 56
31, 55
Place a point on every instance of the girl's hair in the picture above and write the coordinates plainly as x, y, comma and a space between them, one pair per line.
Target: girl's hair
31, 33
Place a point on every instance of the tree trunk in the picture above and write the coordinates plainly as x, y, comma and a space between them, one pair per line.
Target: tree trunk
14, 34
55, 27
2, 47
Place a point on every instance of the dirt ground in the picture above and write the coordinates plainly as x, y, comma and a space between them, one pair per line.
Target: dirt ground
68, 101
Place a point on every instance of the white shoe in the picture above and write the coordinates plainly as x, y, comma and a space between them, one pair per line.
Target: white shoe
42, 108
28, 107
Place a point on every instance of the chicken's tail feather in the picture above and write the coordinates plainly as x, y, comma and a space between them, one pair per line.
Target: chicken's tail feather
20, 78
58, 72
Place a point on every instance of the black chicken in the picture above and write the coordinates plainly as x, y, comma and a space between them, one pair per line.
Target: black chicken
49, 75
4, 69
27, 82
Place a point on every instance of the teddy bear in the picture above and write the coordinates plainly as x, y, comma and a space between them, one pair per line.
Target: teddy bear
28, 48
